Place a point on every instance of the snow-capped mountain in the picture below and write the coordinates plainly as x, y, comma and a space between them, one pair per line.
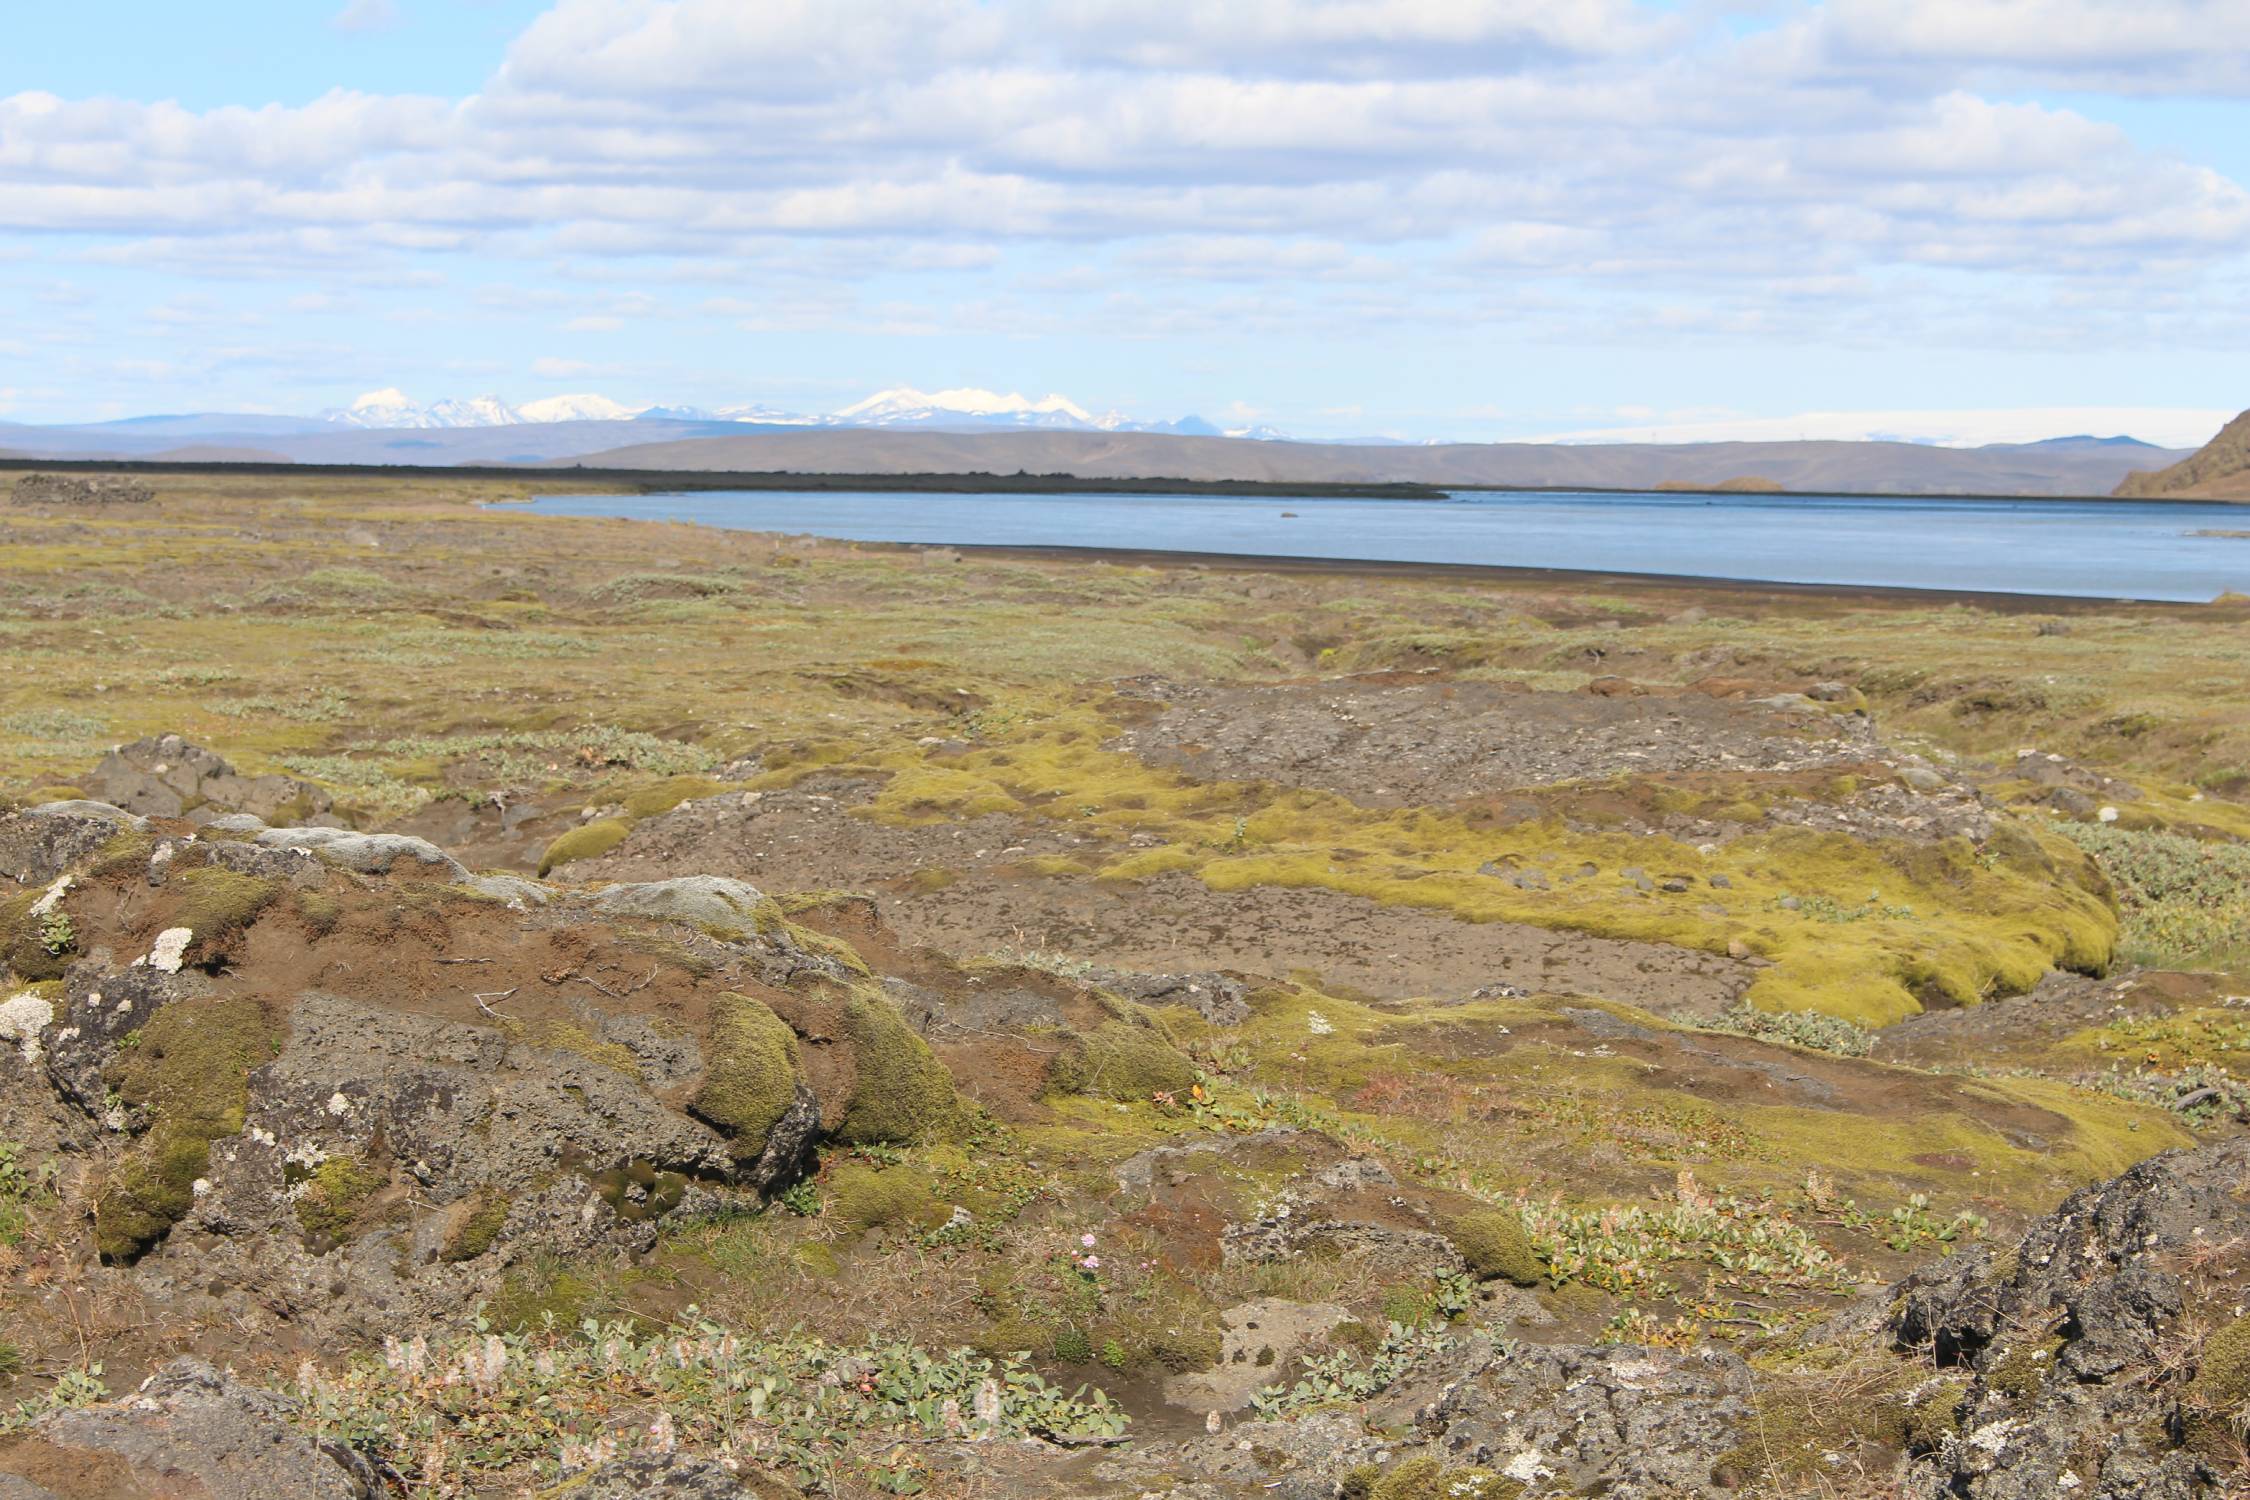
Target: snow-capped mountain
900, 406
576, 409
903, 406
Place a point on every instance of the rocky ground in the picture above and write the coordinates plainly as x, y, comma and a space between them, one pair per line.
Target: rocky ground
823, 1025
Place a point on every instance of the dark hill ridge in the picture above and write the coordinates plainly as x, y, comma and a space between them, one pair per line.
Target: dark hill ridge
2062, 466
2219, 470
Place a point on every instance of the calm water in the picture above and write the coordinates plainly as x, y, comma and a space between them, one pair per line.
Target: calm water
2090, 548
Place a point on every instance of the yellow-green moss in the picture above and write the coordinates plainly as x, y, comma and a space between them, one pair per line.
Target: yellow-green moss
26, 942
190, 1070
320, 911
750, 1071
2215, 1410
1495, 1246
1119, 1060
473, 1226
1425, 1478
217, 904
864, 1197
587, 841
654, 801
568, 1036
334, 1195
903, 1093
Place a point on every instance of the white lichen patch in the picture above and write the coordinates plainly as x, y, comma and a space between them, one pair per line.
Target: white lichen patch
22, 1018
51, 897
170, 948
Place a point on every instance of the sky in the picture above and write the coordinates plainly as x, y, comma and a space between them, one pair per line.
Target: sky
1948, 220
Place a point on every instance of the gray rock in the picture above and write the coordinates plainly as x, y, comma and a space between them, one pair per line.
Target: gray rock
706, 901
164, 776
42, 842
2060, 1336
191, 1430
668, 1477
1922, 778
1260, 1341
367, 853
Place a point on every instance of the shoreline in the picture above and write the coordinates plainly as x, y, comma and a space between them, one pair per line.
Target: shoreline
693, 481
1995, 599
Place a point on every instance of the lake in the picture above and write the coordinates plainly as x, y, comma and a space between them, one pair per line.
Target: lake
2093, 549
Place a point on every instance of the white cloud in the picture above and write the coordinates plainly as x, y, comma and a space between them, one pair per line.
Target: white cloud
367, 15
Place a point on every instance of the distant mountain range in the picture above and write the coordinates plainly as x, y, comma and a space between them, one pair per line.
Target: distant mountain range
973, 431
965, 409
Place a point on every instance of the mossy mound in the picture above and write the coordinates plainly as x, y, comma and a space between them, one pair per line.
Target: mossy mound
1122, 1061
660, 798
750, 1075
334, 1196
1496, 1247
587, 841
903, 1093
865, 1197
33, 948
190, 1069
217, 905
2215, 1410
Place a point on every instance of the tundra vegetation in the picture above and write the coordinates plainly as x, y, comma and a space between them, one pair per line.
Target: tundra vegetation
862, 1020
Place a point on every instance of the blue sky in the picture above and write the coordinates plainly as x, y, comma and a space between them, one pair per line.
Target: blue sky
1947, 219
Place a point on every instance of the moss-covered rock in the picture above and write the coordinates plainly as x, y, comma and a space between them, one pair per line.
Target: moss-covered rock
587, 841
750, 1071
217, 905
34, 947
1426, 1478
1496, 1247
190, 1071
903, 1093
334, 1196
472, 1226
2215, 1410
1119, 1060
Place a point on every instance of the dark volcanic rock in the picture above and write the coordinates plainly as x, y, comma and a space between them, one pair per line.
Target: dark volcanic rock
164, 776
2076, 1340
189, 1431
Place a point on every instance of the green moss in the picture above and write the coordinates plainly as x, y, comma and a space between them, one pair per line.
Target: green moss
474, 1225
338, 1189
587, 841
320, 911
191, 1072
662, 797
217, 904
750, 1072
544, 1294
1425, 1478
864, 1197
1496, 1247
1119, 1060
26, 942
2023, 1368
567, 1036
903, 1094
2222, 1376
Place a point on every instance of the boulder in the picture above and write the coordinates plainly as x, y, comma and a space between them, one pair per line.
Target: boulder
164, 776
2063, 1339
190, 1430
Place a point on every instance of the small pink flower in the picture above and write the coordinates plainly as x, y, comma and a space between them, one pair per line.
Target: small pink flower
1092, 1263
1087, 1240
